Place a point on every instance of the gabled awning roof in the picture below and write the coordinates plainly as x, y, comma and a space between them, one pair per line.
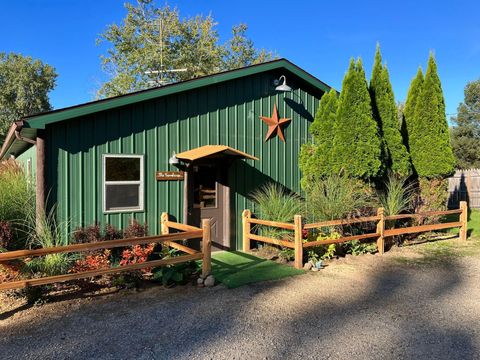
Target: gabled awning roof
212, 151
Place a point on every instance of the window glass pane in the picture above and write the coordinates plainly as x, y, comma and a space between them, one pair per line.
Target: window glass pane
205, 190
122, 169
119, 197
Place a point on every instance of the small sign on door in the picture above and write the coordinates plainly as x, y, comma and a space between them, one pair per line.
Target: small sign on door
169, 175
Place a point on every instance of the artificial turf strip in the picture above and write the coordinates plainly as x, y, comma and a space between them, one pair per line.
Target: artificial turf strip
236, 268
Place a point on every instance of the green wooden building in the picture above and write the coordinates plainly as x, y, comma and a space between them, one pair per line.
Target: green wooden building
137, 155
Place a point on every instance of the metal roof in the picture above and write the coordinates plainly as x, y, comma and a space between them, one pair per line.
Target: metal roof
39, 121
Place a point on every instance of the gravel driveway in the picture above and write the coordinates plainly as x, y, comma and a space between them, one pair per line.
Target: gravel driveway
368, 307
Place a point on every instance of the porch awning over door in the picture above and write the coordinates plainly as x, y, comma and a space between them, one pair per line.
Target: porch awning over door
212, 151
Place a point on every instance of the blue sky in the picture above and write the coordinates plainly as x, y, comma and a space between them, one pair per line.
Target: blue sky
319, 36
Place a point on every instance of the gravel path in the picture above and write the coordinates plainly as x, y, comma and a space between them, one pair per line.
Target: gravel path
364, 308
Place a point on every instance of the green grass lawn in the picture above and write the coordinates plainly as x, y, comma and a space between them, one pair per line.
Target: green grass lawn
440, 252
236, 268
473, 227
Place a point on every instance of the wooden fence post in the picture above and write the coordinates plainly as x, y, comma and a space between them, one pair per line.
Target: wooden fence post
163, 223
246, 215
206, 247
463, 220
298, 242
381, 230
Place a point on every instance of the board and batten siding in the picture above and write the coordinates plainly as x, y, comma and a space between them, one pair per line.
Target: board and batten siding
226, 113
464, 185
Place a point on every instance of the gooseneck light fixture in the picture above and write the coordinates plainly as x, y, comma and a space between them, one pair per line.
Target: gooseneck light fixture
173, 159
282, 86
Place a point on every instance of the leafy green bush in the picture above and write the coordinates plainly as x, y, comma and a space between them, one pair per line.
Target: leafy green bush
175, 274
276, 203
337, 197
321, 252
398, 195
356, 247
17, 203
287, 254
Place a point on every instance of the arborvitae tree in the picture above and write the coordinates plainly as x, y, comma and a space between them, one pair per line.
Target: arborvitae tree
356, 145
316, 156
411, 103
428, 136
395, 154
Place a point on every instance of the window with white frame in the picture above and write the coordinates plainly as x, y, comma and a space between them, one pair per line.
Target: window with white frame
122, 183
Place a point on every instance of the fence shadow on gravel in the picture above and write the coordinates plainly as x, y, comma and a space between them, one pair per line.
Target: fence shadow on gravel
396, 315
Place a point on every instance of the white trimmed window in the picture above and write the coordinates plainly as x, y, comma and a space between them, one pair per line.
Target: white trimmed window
122, 183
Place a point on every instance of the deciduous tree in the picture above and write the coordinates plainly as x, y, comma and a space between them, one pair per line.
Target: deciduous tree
153, 40
24, 87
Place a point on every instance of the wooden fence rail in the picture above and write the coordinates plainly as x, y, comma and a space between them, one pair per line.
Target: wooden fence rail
188, 232
380, 233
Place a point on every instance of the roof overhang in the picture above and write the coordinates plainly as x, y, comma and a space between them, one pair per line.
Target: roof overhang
18, 139
30, 124
39, 121
213, 151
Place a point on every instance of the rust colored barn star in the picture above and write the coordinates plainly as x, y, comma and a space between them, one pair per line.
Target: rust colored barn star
275, 125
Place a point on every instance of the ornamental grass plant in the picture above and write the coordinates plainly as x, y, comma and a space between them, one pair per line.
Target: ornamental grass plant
398, 195
276, 203
17, 203
337, 197
47, 232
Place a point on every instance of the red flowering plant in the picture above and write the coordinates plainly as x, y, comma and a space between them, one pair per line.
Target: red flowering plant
136, 254
94, 261
97, 259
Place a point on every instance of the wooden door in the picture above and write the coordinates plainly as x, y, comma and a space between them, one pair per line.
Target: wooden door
209, 199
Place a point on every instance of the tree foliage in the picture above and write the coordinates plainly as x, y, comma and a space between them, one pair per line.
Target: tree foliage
316, 156
24, 87
465, 135
356, 146
189, 43
428, 136
395, 154
410, 104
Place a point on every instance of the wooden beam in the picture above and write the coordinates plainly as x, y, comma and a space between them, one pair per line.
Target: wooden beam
206, 247
277, 224
422, 228
40, 184
164, 223
381, 230
11, 255
87, 274
246, 228
424, 214
341, 222
181, 247
463, 220
285, 243
182, 227
297, 220
340, 240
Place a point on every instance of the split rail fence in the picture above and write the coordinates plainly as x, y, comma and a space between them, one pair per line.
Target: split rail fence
186, 232
381, 232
